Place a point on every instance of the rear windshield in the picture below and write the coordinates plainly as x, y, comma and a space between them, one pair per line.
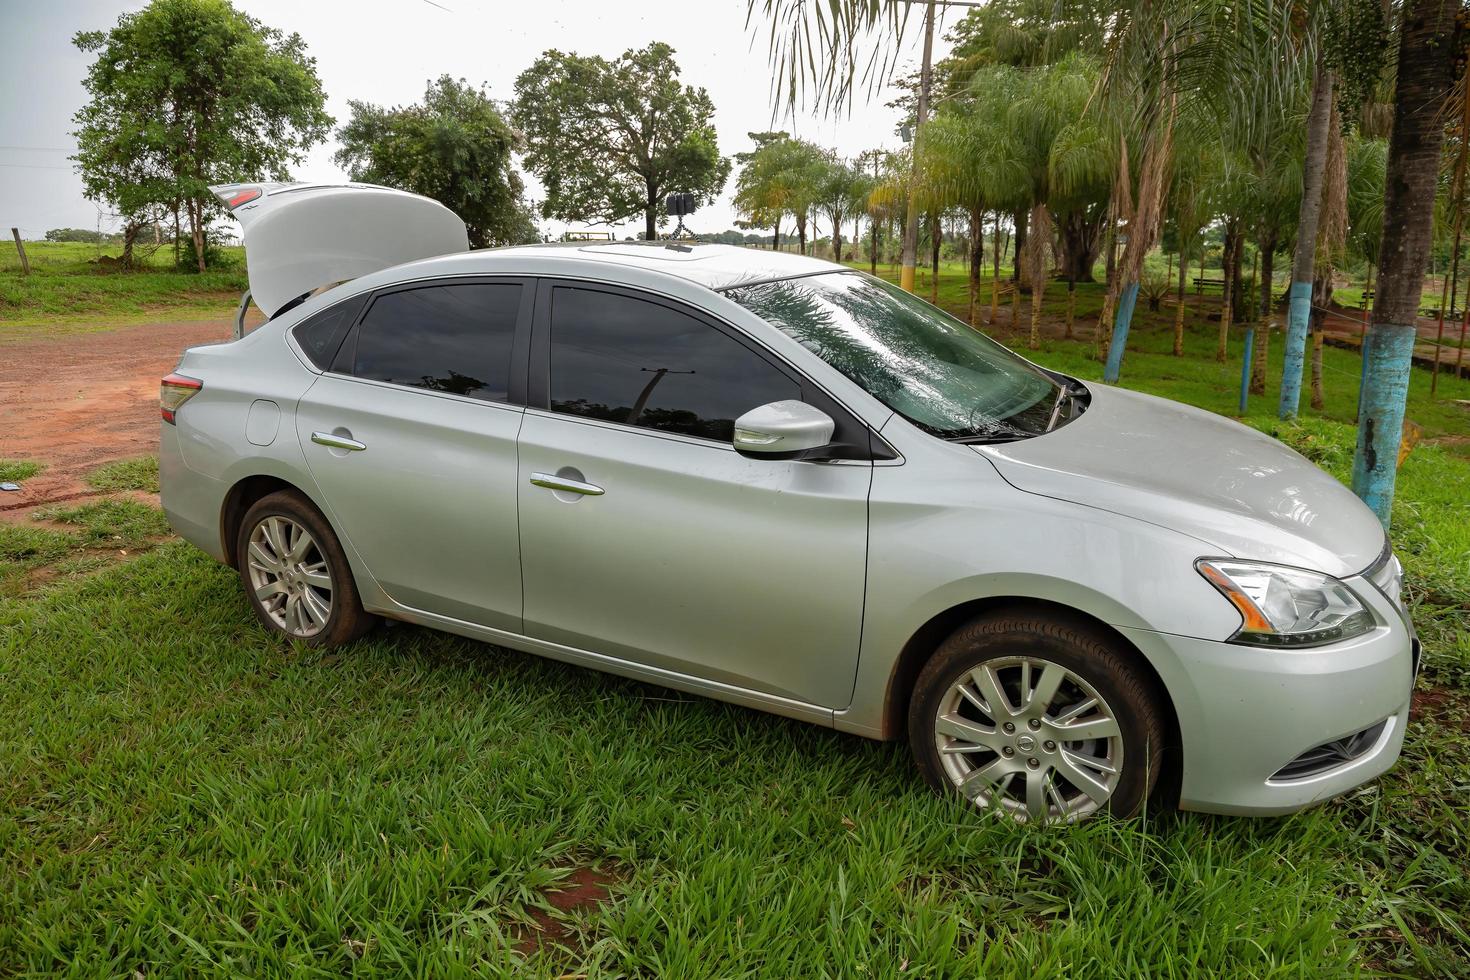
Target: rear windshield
938, 372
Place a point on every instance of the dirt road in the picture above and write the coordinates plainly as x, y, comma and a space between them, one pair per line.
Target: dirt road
78, 401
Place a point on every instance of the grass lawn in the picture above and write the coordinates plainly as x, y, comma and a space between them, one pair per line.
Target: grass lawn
72, 282
181, 794
127, 474
19, 469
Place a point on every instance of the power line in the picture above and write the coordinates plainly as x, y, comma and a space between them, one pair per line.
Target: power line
35, 166
40, 149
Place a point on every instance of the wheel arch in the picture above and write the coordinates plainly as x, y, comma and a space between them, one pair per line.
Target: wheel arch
926, 639
241, 496
252, 485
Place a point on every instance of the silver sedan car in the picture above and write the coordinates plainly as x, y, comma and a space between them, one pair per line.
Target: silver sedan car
786, 484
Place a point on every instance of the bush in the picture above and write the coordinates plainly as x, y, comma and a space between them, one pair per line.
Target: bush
215, 256
1154, 287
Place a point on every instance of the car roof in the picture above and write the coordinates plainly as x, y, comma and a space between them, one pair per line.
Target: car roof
709, 265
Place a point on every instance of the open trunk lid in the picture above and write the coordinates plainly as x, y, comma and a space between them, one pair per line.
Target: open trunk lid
300, 237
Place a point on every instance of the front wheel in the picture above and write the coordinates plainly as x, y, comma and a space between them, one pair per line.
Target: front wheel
295, 574
1037, 718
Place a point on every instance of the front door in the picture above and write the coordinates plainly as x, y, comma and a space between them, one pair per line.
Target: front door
413, 443
671, 549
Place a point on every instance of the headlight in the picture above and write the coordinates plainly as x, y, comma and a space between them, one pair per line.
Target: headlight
1284, 606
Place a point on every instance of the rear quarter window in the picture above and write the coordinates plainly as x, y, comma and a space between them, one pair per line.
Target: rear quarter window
320, 334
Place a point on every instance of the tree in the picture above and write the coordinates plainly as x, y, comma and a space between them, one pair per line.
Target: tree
842, 191
1426, 70
881, 203
780, 176
188, 93
88, 235
1304, 260
609, 139
455, 148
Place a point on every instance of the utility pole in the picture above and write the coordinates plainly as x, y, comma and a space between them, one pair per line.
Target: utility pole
921, 116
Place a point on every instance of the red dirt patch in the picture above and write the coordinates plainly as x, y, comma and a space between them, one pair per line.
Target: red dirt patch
77, 401
583, 888
1443, 706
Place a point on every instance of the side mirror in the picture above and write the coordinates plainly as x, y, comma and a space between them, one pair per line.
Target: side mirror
783, 430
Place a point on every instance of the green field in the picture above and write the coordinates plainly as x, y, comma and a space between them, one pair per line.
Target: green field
180, 794
72, 282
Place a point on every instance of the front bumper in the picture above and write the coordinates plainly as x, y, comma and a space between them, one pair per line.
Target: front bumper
1245, 712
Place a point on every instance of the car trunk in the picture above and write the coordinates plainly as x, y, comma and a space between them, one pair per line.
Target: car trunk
301, 237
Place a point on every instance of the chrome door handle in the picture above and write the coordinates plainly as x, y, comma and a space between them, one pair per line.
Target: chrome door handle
553, 482
337, 442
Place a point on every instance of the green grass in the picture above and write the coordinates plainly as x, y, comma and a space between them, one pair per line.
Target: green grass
126, 474
70, 281
24, 548
19, 469
115, 523
182, 794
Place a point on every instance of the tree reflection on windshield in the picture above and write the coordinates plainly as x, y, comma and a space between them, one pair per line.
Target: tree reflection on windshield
937, 372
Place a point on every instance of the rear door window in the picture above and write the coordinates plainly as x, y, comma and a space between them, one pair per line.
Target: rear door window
449, 337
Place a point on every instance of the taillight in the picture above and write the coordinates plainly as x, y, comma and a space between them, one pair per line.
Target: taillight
243, 197
173, 391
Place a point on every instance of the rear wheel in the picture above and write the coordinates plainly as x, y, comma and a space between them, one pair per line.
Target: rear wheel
1037, 718
295, 574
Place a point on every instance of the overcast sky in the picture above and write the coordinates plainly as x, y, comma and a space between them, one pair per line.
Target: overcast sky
384, 51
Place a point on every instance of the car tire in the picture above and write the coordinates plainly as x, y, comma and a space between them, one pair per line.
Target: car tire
1016, 756
309, 597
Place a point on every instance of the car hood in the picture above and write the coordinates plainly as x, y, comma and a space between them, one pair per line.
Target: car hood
1183, 468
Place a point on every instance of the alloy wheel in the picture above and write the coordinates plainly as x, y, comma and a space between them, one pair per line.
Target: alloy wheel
1029, 738
290, 576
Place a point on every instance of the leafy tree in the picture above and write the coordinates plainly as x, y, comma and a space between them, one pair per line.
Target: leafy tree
88, 235
609, 139
455, 147
188, 93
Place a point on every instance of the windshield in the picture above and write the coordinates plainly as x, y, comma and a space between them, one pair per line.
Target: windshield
937, 372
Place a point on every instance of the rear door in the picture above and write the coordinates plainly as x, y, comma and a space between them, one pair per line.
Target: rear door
411, 437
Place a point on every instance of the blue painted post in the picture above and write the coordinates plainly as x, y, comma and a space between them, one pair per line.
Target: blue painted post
1299, 313
1245, 368
1387, 362
1121, 323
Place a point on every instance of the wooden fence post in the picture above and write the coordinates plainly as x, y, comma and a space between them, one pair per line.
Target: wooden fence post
25, 264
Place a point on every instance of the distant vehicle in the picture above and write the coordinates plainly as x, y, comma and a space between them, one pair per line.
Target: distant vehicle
786, 484
587, 236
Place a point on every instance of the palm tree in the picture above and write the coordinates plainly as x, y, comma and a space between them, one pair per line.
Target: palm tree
841, 191
1258, 121
1193, 199
781, 176
1426, 72
761, 189
1303, 263
873, 164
